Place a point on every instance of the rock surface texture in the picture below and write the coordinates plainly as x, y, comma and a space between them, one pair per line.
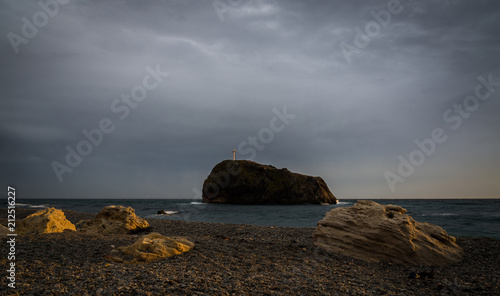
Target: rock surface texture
4, 230
154, 247
374, 233
48, 220
114, 220
248, 182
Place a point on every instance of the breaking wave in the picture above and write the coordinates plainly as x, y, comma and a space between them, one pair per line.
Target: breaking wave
23, 205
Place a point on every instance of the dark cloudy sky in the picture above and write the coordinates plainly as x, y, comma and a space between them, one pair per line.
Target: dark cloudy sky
358, 101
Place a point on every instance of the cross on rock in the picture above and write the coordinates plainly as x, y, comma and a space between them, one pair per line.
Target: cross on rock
234, 154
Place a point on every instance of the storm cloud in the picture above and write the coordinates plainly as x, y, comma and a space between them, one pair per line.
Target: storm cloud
361, 81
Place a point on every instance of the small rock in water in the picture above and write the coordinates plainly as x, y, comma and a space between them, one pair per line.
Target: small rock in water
163, 212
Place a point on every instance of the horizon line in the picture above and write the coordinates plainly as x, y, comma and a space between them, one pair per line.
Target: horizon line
196, 199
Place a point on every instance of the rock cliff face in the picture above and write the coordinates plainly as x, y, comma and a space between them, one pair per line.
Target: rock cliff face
247, 182
374, 232
49, 220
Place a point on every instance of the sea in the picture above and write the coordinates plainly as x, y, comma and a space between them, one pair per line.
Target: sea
459, 217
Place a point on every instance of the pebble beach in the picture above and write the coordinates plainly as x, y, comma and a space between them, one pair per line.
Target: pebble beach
233, 259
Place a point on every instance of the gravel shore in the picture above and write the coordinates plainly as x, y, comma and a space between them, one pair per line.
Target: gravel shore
231, 259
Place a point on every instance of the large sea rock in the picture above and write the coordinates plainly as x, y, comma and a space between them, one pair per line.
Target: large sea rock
248, 182
114, 220
48, 220
374, 233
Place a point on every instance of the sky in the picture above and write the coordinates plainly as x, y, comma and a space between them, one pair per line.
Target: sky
141, 99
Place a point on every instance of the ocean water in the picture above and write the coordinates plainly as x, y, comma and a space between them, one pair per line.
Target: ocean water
459, 217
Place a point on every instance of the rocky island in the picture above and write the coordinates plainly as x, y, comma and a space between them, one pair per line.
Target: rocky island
248, 182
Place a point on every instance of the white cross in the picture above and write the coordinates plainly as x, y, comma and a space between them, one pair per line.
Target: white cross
234, 154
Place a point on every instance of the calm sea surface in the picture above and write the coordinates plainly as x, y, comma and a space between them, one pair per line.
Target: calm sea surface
459, 217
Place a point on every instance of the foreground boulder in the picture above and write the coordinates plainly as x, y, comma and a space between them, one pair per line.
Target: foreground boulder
248, 182
48, 220
374, 232
154, 247
114, 220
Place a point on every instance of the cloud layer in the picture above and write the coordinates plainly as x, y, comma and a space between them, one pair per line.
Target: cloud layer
232, 63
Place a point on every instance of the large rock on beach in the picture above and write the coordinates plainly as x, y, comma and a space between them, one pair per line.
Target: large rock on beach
114, 220
154, 247
48, 220
248, 182
374, 233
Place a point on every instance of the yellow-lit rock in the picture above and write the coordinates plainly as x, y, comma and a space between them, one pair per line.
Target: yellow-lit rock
49, 220
155, 247
113, 220
374, 232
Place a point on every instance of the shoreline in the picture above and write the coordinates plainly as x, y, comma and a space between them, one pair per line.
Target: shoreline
233, 258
